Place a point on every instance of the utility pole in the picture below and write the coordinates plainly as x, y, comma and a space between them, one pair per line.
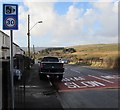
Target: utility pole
28, 35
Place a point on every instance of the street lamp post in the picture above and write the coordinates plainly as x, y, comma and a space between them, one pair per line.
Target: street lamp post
29, 29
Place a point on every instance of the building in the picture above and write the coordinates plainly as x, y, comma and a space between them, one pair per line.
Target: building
5, 47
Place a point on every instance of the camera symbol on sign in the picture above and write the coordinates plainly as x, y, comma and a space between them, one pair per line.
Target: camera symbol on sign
11, 10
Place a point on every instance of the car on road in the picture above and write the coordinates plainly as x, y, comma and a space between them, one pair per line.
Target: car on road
65, 61
51, 66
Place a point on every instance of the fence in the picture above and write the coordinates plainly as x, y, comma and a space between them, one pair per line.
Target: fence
22, 63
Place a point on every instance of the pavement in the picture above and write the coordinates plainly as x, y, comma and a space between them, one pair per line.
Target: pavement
36, 94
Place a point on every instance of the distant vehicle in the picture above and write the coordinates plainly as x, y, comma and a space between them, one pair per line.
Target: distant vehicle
52, 67
64, 61
17, 74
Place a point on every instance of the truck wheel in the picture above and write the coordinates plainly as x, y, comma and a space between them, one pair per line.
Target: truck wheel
60, 77
52, 77
42, 76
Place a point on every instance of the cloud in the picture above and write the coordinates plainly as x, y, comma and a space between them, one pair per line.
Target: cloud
77, 26
109, 19
38, 12
72, 27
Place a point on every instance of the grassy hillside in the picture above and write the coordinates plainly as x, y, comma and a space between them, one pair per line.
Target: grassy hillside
97, 50
98, 55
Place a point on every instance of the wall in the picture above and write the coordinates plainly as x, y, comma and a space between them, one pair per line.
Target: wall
5, 41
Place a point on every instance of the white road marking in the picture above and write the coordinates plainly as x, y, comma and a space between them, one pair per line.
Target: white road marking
92, 83
73, 79
72, 85
85, 84
75, 71
111, 77
100, 78
28, 86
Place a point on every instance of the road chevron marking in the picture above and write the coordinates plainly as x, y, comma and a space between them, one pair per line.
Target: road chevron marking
101, 79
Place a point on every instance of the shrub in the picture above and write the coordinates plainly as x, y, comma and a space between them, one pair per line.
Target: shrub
116, 64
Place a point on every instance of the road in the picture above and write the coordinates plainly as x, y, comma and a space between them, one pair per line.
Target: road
84, 87
81, 87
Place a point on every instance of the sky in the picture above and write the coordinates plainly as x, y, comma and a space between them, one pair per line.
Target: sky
65, 23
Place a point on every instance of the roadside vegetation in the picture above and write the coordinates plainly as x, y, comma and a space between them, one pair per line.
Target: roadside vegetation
95, 55
98, 55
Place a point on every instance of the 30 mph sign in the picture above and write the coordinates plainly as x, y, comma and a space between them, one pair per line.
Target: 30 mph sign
10, 22
10, 17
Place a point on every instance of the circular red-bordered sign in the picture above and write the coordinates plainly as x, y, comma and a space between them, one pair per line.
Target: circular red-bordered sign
10, 22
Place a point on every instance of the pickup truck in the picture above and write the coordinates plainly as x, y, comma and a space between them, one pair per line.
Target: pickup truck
51, 66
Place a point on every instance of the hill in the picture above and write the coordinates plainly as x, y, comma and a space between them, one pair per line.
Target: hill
96, 50
36, 48
97, 55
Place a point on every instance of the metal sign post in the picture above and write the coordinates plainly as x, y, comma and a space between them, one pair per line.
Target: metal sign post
10, 22
11, 69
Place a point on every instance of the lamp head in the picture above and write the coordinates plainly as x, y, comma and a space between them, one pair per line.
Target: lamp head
39, 21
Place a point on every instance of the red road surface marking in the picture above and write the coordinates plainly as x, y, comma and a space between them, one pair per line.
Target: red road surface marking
88, 82
100, 78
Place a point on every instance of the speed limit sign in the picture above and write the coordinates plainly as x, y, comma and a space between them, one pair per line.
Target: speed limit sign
10, 17
10, 22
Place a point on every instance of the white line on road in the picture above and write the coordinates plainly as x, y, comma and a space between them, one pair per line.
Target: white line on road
75, 71
28, 86
101, 79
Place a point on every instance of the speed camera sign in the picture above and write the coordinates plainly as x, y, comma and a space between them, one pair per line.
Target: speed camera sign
10, 16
